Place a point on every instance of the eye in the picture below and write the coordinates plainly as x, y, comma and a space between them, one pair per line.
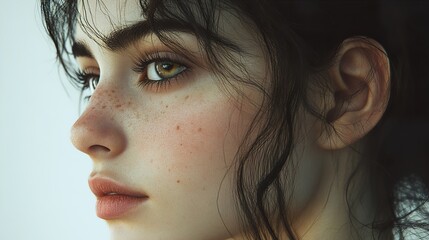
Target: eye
93, 82
162, 70
89, 81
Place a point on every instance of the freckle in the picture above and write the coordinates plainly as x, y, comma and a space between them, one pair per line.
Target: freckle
177, 127
186, 97
200, 129
129, 102
113, 91
169, 170
103, 107
93, 108
166, 106
204, 188
178, 181
181, 144
118, 106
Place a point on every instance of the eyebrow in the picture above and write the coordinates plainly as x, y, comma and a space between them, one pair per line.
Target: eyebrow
121, 38
80, 49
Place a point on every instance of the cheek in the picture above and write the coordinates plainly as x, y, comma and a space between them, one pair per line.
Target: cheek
189, 148
191, 138
198, 134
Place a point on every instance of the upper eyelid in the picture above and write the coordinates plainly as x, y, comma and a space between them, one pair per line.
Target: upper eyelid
159, 56
91, 71
86, 63
141, 52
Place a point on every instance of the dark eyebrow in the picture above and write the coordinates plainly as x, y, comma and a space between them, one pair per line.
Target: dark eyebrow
79, 49
122, 38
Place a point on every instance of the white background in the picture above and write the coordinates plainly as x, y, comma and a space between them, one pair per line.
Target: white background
44, 193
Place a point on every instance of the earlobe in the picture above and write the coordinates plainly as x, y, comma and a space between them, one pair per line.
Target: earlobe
360, 79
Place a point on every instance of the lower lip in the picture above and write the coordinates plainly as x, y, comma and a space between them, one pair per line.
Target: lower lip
115, 206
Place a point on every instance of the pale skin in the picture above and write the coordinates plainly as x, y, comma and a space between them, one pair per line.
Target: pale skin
177, 143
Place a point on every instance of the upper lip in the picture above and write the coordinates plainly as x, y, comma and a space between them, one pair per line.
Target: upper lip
103, 187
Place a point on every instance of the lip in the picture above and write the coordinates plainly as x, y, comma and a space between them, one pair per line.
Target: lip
114, 200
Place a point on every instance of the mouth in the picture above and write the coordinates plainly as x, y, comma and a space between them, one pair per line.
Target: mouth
114, 200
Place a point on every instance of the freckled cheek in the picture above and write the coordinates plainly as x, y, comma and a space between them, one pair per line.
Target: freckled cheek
197, 138
191, 140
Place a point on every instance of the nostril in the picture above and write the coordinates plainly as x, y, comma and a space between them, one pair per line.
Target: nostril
98, 148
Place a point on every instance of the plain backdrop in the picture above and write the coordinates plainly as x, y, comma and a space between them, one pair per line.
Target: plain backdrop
44, 193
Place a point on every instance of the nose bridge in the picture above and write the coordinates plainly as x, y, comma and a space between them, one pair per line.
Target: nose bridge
104, 97
99, 131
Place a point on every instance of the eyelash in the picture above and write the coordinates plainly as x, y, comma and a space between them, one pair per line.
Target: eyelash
85, 78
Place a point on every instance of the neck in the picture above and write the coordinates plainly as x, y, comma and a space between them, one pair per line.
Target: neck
328, 215
343, 204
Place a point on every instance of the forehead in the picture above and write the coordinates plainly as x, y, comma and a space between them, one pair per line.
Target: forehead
101, 17
219, 24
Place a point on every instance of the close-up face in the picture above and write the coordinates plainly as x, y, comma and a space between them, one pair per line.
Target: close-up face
161, 127
214, 120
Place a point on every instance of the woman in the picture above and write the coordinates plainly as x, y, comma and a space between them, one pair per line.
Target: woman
254, 119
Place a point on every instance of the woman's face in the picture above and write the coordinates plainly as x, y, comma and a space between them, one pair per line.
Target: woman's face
161, 129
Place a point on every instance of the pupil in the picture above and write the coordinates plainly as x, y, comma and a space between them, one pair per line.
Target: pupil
167, 66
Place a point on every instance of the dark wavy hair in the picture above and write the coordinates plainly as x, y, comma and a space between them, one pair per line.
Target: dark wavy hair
301, 39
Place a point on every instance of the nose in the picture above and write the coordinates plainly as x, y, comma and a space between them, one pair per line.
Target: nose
98, 131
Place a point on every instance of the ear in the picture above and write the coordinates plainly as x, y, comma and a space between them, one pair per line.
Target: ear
360, 79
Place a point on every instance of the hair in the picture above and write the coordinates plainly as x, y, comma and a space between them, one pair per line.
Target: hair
301, 39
